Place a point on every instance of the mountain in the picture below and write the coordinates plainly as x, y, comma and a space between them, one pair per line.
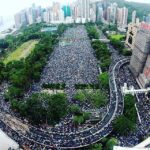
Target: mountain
142, 9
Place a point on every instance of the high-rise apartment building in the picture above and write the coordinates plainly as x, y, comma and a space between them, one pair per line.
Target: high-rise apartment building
20, 19
108, 18
99, 12
84, 10
67, 11
93, 12
113, 12
30, 16
55, 10
122, 17
134, 16
57, 14
47, 15
140, 60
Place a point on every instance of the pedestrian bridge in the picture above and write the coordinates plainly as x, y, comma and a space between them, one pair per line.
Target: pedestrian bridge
131, 90
102, 40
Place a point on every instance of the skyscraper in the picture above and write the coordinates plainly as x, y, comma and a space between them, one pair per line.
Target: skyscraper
30, 16
47, 16
99, 12
93, 12
140, 60
134, 16
108, 19
84, 6
122, 17
113, 12
67, 11
20, 19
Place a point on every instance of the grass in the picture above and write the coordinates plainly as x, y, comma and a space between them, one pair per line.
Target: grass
21, 52
117, 37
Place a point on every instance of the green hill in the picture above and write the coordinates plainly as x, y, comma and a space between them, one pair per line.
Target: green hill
142, 9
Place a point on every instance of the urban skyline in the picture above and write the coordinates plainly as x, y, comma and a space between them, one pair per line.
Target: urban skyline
80, 11
9, 10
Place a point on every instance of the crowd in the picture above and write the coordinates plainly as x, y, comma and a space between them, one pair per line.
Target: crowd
143, 107
71, 64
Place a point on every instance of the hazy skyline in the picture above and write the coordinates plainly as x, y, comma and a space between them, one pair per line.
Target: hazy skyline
9, 8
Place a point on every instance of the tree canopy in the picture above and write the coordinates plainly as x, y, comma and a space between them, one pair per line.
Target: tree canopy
104, 80
126, 123
42, 107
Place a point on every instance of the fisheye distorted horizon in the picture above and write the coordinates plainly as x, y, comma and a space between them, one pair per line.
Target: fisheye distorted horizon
9, 8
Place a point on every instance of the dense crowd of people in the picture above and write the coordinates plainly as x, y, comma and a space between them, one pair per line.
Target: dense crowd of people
71, 64
143, 107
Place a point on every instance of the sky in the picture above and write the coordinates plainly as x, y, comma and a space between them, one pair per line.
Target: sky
10, 7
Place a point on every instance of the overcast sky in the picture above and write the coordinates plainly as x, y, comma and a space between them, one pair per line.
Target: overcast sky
10, 7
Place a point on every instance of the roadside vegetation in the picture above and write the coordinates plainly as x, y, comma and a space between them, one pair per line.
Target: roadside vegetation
117, 42
126, 123
102, 54
105, 144
104, 80
42, 108
92, 31
97, 98
79, 117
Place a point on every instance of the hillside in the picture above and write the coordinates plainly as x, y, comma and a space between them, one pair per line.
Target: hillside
142, 8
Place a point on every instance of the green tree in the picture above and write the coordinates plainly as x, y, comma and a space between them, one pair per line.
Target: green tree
75, 109
80, 96
78, 120
104, 80
111, 143
43, 108
123, 125
96, 147
92, 32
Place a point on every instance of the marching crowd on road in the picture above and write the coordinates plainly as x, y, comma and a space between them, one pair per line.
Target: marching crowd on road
143, 107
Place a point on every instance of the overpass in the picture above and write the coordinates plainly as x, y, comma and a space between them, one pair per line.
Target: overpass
102, 40
131, 90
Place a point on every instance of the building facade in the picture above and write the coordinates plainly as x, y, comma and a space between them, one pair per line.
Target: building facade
131, 34
140, 60
122, 17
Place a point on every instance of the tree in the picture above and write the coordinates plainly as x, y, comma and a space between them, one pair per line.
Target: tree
92, 32
96, 147
129, 108
123, 125
111, 143
86, 116
104, 80
43, 108
80, 96
78, 120
75, 109
129, 101
102, 54
97, 98
3, 44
